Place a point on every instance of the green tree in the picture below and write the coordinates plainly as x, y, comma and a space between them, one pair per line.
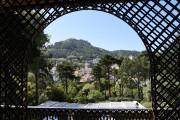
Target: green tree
135, 70
140, 71
38, 63
104, 86
106, 62
65, 73
72, 91
83, 93
115, 78
97, 73
95, 96
55, 93
124, 74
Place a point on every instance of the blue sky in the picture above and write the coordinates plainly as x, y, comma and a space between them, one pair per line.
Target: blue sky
100, 29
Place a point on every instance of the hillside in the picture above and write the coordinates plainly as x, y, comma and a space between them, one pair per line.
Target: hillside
84, 49
125, 53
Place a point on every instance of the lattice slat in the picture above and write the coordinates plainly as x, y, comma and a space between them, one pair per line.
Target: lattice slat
156, 22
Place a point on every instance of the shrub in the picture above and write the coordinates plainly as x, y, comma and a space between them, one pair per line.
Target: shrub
88, 87
55, 93
72, 91
81, 97
95, 96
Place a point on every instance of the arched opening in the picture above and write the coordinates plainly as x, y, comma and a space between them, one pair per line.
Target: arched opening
97, 26
126, 81
157, 22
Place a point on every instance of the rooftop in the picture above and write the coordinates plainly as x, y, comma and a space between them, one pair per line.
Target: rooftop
101, 105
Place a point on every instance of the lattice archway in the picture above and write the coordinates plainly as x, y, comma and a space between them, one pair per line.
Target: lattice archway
156, 22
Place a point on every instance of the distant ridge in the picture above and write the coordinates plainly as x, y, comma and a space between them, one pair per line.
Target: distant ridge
83, 49
126, 52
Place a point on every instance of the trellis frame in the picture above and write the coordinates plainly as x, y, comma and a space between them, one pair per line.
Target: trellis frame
156, 22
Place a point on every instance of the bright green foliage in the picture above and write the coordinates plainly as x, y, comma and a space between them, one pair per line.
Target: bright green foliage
95, 96
88, 87
147, 92
31, 87
82, 94
81, 97
89, 93
104, 86
147, 104
117, 89
72, 91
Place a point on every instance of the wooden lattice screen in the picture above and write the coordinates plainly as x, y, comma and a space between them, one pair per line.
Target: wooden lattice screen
156, 22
